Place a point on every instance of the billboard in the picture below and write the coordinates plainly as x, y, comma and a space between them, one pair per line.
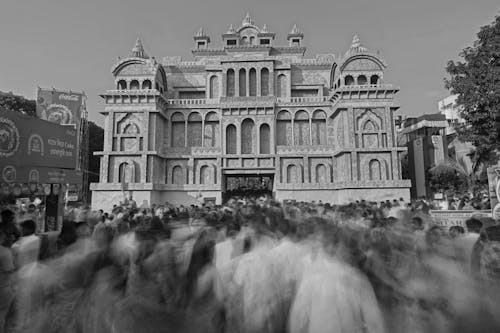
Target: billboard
29, 141
60, 107
448, 218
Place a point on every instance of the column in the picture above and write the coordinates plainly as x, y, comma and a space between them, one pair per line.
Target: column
247, 79
310, 131
271, 83
144, 168
258, 85
185, 133
354, 166
306, 169
203, 131
236, 82
238, 139
223, 84
190, 170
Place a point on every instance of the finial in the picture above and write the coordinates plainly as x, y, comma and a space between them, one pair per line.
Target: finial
200, 33
264, 28
355, 42
356, 46
231, 29
295, 30
138, 50
247, 20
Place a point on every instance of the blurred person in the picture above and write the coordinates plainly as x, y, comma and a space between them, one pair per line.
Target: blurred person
6, 272
334, 297
456, 231
10, 227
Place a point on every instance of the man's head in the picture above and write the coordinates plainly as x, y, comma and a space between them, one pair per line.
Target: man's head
474, 225
456, 231
28, 227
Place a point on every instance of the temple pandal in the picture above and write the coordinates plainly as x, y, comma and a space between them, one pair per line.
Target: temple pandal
250, 117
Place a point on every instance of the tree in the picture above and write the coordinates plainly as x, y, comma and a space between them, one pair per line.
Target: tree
12, 102
447, 179
96, 141
476, 80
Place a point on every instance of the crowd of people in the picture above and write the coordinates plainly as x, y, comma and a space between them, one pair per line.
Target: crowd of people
251, 266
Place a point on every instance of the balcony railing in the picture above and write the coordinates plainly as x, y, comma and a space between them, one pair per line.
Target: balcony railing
132, 92
308, 99
190, 101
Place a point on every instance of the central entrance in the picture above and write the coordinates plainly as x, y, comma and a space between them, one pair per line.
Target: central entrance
248, 186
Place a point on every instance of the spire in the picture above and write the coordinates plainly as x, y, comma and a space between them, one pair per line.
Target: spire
138, 50
356, 46
247, 20
295, 30
200, 33
231, 29
264, 28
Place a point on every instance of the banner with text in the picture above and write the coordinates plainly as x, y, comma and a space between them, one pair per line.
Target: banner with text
60, 107
448, 218
29, 141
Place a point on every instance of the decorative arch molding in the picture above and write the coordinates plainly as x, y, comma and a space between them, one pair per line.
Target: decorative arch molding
126, 171
177, 174
376, 169
207, 173
321, 173
369, 116
293, 173
366, 56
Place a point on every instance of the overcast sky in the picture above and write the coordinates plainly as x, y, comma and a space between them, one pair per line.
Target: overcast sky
70, 44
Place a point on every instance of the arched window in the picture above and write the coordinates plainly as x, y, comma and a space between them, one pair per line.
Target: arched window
252, 78
244, 40
194, 129
243, 82
178, 130
122, 85
292, 174
212, 130
301, 128
281, 86
134, 85
214, 86
205, 177
252, 40
247, 136
231, 139
264, 82
374, 79
349, 80
375, 170
362, 80
321, 174
178, 177
127, 172
264, 136
230, 83
284, 128
146, 84
318, 129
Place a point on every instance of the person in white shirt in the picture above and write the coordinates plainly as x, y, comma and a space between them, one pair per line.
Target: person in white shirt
6, 270
27, 248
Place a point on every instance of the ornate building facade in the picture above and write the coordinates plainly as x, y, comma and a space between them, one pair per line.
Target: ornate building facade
250, 115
